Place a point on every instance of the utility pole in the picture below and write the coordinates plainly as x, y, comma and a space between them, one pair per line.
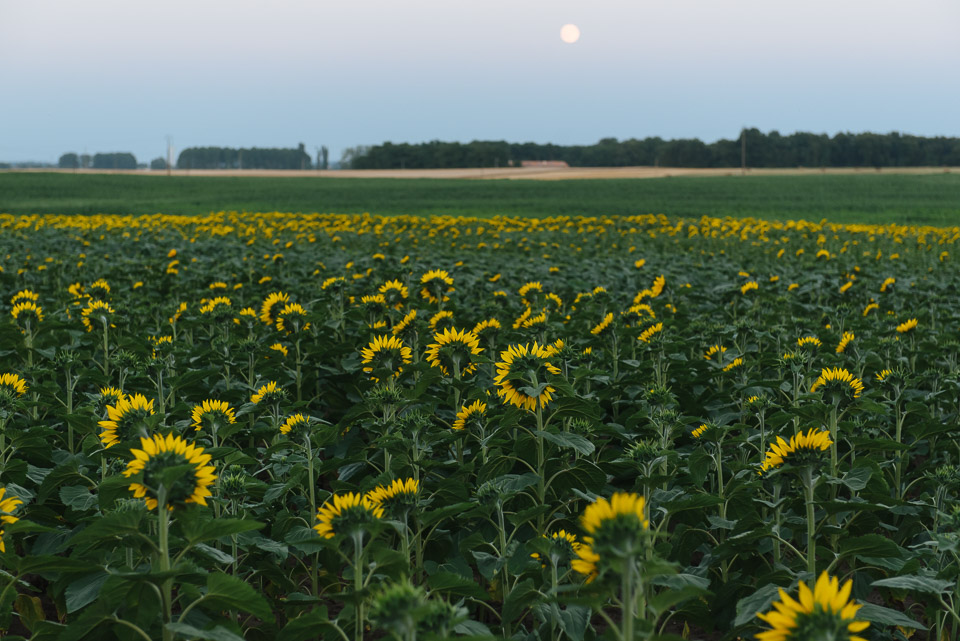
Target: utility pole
169, 155
743, 151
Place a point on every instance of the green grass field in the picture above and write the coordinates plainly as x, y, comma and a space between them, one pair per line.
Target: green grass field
931, 199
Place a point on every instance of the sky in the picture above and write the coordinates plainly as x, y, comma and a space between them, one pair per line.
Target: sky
115, 75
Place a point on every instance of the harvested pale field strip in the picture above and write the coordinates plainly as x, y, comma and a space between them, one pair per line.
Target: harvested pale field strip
512, 173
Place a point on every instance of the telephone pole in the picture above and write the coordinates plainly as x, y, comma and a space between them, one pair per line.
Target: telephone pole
169, 155
743, 151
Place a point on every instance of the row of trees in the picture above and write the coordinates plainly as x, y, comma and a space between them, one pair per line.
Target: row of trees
115, 160
762, 150
253, 158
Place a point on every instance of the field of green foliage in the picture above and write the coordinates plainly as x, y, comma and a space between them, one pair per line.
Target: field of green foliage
302, 426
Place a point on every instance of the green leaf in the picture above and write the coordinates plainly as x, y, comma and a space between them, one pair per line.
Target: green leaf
218, 633
759, 601
869, 545
914, 583
882, 616
305, 627
568, 440
857, 478
84, 590
453, 583
522, 595
30, 610
232, 593
473, 629
77, 497
210, 530
574, 620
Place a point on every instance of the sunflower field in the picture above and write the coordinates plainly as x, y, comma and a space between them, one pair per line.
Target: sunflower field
305, 426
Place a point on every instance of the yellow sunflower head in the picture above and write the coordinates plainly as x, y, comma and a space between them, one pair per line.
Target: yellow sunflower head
406, 326
267, 313
826, 612
436, 283
469, 414
397, 498
838, 385
618, 528
606, 324
394, 292
126, 420
292, 319
212, 415
296, 426
522, 375
12, 389
907, 326
385, 353
451, 350
7, 506
563, 548
26, 312
268, 394
802, 450
347, 514
96, 311
152, 471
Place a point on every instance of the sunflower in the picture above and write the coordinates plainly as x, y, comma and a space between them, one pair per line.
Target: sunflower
826, 612
883, 375
212, 414
123, 418
838, 379
649, 333
346, 514
395, 293
870, 307
530, 291
563, 547
517, 362
811, 341
7, 505
280, 349
217, 308
24, 295
398, 497
641, 313
452, 349
617, 529
748, 286
159, 454
735, 363
801, 450
12, 385
441, 320
586, 562
535, 321
296, 426
714, 350
95, 309
385, 353
29, 310
488, 327
111, 395
334, 283
907, 326
472, 412
292, 319
603, 325
269, 393
436, 285
845, 341
99, 289
405, 326
271, 301
700, 431
887, 284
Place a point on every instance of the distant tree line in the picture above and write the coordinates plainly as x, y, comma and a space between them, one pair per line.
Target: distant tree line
253, 158
116, 160
762, 150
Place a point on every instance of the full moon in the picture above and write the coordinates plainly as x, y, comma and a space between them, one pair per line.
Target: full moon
570, 33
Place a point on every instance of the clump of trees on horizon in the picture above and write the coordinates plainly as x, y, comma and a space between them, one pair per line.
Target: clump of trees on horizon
762, 150
253, 158
113, 160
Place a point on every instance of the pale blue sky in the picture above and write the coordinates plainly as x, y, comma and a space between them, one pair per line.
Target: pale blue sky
119, 75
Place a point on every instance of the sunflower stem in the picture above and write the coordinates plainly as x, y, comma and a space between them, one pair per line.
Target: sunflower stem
811, 523
358, 581
314, 578
166, 588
